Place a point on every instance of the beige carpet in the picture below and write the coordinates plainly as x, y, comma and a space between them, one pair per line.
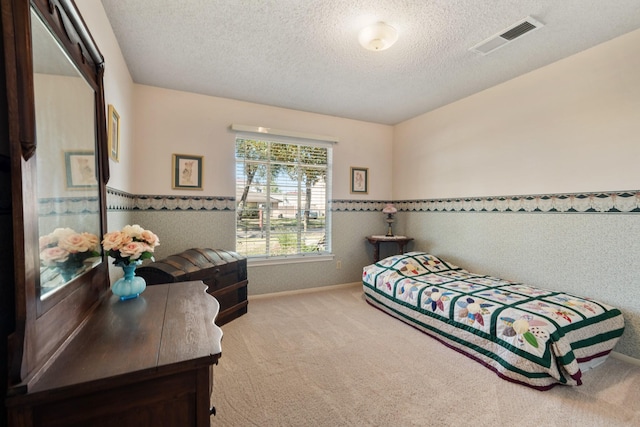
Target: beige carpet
328, 358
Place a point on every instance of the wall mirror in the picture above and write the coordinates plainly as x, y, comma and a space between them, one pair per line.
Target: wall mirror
59, 168
67, 185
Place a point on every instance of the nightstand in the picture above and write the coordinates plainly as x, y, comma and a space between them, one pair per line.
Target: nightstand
401, 241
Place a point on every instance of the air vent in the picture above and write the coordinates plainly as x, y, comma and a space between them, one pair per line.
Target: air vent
507, 35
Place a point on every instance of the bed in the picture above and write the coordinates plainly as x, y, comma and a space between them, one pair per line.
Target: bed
532, 336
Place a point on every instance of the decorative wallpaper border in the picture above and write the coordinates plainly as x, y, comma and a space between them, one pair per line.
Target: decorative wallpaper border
357, 205
67, 206
118, 200
609, 202
601, 202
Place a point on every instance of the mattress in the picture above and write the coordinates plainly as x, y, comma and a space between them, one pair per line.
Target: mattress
525, 334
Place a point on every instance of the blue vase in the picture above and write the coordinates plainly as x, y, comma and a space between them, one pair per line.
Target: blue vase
130, 286
71, 268
68, 273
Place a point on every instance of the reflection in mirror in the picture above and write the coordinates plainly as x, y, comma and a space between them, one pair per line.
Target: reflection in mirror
67, 186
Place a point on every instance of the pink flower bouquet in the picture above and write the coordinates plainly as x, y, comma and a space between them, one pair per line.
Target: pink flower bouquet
66, 249
130, 245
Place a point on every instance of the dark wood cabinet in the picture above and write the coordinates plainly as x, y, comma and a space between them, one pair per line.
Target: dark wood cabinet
141, 362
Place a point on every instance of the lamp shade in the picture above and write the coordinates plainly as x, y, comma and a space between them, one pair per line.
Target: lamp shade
378, 36
389, 209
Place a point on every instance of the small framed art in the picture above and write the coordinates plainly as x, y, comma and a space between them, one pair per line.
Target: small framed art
187, 172
359, 180
113, 133
80, 167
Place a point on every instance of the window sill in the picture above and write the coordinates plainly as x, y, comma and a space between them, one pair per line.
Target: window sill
291, 259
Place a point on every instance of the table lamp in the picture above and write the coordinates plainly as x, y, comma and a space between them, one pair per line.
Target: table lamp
389, 210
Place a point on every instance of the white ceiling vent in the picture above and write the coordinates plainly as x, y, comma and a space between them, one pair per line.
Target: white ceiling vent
507, 35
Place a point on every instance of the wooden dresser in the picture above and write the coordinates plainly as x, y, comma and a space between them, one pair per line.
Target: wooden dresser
142, 362
75, 354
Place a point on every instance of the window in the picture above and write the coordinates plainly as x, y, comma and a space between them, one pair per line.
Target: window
281, 197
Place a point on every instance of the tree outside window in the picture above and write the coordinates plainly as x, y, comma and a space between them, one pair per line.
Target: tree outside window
281, 195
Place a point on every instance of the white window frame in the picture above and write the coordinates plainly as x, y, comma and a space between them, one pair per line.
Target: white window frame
289, 137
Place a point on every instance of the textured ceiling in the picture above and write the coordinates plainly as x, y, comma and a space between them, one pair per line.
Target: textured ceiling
304, 54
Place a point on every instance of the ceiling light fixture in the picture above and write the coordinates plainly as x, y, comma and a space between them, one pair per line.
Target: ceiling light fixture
378, 36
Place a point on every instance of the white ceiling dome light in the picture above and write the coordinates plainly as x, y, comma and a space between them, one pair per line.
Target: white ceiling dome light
378, 36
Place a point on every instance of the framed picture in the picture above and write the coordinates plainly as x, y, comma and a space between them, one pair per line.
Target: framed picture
187, 172
113, 133
359, 180
80, 167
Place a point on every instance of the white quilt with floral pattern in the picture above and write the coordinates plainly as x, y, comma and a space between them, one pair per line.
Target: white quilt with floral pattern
527, 335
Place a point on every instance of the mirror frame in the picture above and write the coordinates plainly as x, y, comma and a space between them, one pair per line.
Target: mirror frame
43, 326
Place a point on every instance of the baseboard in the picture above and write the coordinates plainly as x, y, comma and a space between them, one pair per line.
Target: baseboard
304, 291
625, 358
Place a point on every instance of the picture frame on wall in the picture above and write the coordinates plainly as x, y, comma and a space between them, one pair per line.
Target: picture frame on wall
359, 180
80, 168
113, 133
187, 172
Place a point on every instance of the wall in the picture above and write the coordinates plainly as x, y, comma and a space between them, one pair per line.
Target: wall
169, 122
156, 123
118, 90
570, 127
186, 123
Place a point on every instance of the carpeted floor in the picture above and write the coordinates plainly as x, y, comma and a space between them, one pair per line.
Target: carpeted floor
327, 358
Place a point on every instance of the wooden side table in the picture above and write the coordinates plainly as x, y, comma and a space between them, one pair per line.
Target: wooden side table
401, 241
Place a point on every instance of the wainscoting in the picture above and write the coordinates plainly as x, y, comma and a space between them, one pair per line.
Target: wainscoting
584, 244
